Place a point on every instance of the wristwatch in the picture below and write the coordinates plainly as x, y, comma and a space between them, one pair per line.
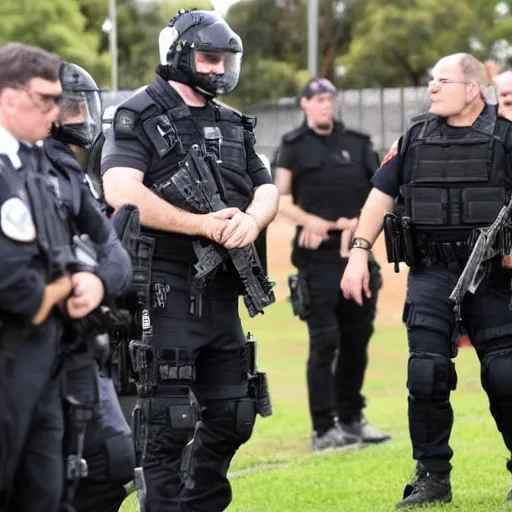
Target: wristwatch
361, 243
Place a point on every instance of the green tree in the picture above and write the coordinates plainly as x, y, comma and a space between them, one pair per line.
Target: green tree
56, 25
263, 80
498, 39
139, 26
274, 33
277, 29
395, 42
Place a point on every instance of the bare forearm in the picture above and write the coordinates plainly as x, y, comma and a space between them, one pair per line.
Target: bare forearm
292, 212
155, 212
263, 207
371, 219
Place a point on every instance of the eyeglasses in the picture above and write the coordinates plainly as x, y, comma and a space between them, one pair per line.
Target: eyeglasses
46, 102
444, 81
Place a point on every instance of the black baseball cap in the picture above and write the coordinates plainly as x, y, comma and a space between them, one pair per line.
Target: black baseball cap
317, 86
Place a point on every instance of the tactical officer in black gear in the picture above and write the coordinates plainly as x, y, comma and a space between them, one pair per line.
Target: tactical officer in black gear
96, 427
451, 175
31, 424
189, 165
45, 264
326, 169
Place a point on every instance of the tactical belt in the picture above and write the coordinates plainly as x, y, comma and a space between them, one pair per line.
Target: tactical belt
405, 243
435, 252
171, 267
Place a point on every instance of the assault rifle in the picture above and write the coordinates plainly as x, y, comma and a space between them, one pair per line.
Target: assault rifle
479, 263
197, 187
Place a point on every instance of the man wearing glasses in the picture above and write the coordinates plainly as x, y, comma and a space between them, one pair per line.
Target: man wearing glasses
35, 249
30, 411
448, 176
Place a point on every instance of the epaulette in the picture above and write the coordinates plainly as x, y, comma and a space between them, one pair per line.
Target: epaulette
422, 122
132, 111
227, 109
228, 113
292, 136
424, 116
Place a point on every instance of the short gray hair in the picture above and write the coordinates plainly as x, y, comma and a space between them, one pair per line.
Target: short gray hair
473, 69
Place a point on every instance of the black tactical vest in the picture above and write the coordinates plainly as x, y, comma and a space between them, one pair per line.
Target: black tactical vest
330, 180
167, 127
457, 182
66, 175
330, 183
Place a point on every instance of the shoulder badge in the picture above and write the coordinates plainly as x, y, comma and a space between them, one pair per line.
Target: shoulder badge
124, 119
124, 123
16, 221
393, 151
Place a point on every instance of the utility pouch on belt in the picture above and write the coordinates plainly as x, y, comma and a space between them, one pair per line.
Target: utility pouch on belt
299, 295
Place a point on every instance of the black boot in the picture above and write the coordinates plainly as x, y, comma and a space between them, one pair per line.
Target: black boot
426, 488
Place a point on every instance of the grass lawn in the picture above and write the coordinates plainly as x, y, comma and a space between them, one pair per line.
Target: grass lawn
275, 471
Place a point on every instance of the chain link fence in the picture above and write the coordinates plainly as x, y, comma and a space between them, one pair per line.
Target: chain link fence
383, 114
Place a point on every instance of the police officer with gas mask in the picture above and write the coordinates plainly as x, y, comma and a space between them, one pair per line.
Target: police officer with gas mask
189, 165
96, 429
446, 179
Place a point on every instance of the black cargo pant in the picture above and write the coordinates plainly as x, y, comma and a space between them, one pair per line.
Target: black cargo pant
432, 330
108, 445
31, 423
339, 332
201, 361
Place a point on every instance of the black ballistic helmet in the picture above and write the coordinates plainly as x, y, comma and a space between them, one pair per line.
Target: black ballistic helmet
80, 107
206, 34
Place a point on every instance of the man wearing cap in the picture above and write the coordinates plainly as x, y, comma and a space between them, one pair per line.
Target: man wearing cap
323, 173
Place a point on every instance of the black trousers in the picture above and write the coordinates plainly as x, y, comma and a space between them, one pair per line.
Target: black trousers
31, 424
432, 331
339, 332
108, 446
195, 479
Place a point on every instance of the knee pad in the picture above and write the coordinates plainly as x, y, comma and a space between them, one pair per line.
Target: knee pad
430, 376
497, 373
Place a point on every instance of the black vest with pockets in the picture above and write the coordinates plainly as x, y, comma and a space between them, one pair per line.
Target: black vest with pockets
457, 183
167, 127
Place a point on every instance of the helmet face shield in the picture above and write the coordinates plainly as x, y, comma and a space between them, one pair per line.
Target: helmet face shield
204, 50
80, 116
219, 69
